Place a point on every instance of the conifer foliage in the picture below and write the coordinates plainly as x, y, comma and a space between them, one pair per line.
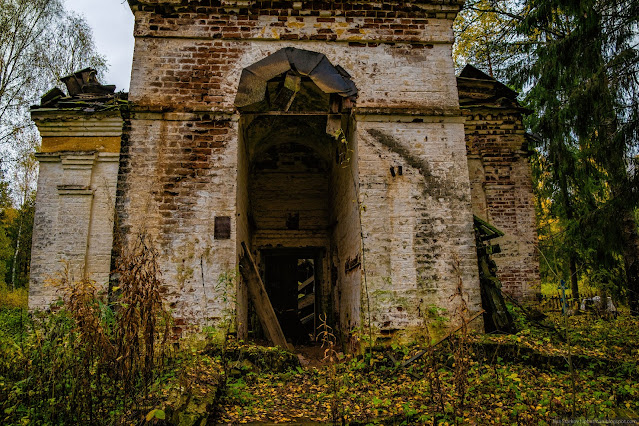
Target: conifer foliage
582, 73
577, 64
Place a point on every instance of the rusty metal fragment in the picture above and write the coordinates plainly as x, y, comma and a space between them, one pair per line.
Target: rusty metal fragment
222, 228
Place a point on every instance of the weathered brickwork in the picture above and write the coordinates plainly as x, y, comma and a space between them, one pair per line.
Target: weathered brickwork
418, 224
176, 181
193, 75
501, 178
420, 27
188, 60
383, 208
346, 242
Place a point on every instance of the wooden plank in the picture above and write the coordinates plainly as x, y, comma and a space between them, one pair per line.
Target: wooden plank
306, 301
260, 299
302, 286
307, 318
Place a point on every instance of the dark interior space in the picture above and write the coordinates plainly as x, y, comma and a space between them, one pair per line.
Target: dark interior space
289, 278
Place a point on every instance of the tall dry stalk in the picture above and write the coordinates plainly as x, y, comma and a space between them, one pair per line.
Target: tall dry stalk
327, 337
91, 359
82, 301
432, 375
141, 320
460, 343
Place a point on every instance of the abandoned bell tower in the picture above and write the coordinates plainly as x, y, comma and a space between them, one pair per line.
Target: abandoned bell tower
320, 141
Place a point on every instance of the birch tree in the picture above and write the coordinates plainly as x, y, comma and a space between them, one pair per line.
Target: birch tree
40, 42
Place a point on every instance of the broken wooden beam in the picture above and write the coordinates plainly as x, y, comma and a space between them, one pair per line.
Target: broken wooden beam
425, 351
308, 318
302, 286
306, 301
261, 302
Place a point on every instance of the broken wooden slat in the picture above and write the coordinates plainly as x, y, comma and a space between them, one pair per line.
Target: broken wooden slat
306, 301
307, 318
260, 299
302, 286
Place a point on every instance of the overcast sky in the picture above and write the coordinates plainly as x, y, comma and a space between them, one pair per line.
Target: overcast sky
112, 23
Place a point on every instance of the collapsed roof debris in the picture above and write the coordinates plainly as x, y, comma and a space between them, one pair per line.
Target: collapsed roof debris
477, 88
329, 78
85, 93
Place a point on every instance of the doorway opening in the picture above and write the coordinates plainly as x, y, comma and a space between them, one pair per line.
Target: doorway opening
297, 198
290, 278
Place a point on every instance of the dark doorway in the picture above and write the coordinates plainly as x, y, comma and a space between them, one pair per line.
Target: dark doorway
290, 280
297, 197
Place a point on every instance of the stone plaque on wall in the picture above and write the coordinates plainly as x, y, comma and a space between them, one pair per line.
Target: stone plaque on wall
222, 229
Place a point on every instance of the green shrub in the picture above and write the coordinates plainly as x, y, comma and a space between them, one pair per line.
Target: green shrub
13, 298
86, 362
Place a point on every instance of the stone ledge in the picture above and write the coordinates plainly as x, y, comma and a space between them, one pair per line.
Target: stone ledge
150, 114
74, 190
77, 155
108, 157
78, 160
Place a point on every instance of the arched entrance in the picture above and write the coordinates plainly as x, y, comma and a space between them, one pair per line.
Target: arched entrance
297, 194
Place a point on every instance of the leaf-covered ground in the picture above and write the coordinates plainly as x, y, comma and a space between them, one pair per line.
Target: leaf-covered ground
522, 378
510, 379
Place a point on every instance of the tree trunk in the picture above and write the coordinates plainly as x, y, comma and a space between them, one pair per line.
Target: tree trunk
15, 255
21, 219
572, 255
630, 253
574, 283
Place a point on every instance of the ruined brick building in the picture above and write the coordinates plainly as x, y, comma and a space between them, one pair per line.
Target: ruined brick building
332, 138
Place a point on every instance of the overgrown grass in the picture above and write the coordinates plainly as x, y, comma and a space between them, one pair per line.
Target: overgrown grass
86, 361
48, 376
89, 362
550, 289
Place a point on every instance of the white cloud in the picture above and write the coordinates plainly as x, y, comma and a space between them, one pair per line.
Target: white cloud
112, 24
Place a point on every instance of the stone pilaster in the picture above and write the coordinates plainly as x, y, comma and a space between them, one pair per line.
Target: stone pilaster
73, 225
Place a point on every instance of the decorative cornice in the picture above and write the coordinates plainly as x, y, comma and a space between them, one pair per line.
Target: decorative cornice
256, 5
74, 123
77, 159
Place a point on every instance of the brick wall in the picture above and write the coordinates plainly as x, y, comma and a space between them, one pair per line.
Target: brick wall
189, 56
289, 197
418, 223
346, 253
184, 165
178, 176
501, 179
